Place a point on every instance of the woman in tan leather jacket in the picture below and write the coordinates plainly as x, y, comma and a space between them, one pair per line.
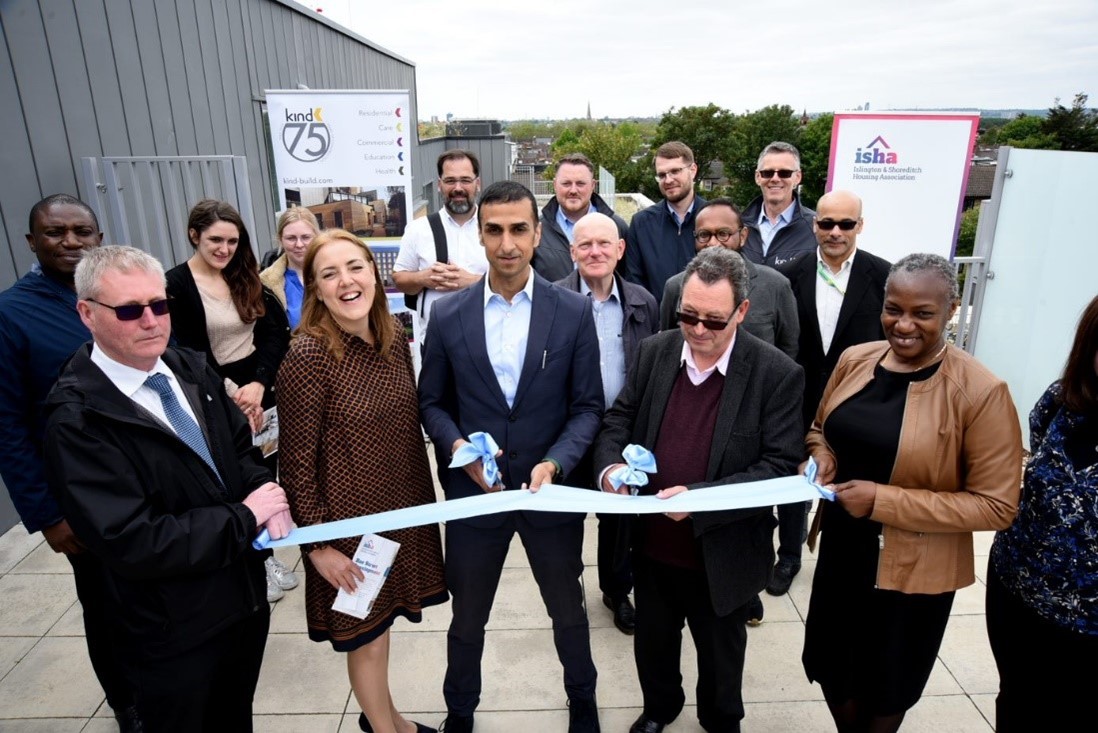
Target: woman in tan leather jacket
923, 446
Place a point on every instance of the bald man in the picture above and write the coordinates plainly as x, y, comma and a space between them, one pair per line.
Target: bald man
840, 293
624, 315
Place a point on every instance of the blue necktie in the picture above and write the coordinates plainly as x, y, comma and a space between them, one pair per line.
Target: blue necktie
186, 428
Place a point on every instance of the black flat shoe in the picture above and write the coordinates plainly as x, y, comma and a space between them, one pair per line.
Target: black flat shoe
364, 725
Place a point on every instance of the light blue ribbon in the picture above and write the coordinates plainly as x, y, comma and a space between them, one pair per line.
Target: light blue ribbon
639, 463
482, 447
810, 471
553, 498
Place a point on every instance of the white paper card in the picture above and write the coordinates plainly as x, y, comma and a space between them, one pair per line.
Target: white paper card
374, 556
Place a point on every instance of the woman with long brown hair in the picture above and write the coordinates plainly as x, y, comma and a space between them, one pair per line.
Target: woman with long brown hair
350, 445
220, 308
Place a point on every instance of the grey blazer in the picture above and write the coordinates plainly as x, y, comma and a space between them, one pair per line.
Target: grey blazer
772, 315
758, 436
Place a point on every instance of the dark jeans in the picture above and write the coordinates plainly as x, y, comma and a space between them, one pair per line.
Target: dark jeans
614, 581
474, 561
792, 532
667, 596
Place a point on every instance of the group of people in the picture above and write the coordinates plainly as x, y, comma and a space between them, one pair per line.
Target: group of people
734, 345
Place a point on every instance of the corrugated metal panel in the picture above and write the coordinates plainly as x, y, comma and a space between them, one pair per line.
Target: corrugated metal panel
182, 77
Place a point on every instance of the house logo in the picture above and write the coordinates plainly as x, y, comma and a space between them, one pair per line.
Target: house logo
877, 152
305, 135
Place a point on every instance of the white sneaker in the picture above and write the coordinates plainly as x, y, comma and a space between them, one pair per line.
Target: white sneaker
274, 593
285, 578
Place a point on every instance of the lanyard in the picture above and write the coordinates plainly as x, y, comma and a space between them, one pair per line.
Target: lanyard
827, 278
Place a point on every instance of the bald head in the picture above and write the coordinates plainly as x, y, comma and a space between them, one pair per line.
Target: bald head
596, 248
847, 200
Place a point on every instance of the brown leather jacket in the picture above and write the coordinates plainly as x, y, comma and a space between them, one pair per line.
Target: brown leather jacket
958, 468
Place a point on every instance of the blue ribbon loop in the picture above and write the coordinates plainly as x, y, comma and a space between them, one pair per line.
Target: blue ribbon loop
810, 471
482, 447
639, 463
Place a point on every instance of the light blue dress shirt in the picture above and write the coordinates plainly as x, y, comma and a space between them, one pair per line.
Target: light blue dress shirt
768, 230
609, 319
567, 225
506, 331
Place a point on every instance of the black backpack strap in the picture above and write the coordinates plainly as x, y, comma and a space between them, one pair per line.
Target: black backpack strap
442, 253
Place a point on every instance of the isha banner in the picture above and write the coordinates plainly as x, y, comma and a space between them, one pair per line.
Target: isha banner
910, 170
346, 156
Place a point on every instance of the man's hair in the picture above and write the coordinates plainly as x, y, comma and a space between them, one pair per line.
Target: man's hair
58, 199
1079, 382
714, 264
507, 192
577, 159
97, 262
675, 149
936, 265
726, 202
458, 154
779, 147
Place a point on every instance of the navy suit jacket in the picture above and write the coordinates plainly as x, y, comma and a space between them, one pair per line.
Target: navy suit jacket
558, 402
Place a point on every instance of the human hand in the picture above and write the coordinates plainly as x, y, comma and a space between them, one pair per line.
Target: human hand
280, 525
475, 470
336, 568
460, 278
437, 276
825, 468
856, 497
667, 494
266, 501
608, 486
249, 399
542, 474
61, 538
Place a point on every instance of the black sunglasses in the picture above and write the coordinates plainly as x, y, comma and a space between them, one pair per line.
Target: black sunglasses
133, 311
692, 320
771, 172
828, 224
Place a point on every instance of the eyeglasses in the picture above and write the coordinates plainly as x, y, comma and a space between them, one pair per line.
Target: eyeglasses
464, 180
771, 172
828, 224
133, 311
692, 320
670, 173
723, 235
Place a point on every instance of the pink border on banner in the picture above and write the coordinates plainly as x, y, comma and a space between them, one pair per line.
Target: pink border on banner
973, 132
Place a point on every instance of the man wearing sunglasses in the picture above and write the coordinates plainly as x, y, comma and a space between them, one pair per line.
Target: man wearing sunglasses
155, 470
840, 293
779, 227
660, 240
716, 406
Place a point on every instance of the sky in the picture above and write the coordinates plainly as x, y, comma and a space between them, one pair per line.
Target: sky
639, 58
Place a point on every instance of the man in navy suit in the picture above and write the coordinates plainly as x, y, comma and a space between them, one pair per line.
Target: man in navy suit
517, 358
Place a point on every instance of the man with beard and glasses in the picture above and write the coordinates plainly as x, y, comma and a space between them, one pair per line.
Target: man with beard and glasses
419, 269
661, 238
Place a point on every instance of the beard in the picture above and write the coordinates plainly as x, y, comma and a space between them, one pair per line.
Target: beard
458, 206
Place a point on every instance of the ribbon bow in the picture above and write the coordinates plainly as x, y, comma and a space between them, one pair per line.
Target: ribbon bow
810, 470
480, 446
639, 463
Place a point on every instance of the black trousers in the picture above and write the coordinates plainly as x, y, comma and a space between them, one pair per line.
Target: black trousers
206, 689
1048, 675
87, 572
474, 561
792, 531
666, 597
614, 580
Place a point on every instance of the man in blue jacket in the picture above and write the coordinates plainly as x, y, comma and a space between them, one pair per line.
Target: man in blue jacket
39, 330
660, 240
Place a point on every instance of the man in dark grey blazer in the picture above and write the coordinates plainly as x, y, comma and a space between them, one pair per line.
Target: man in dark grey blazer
716, 406
625, 314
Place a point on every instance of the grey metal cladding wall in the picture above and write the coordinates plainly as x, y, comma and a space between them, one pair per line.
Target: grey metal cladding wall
83, 78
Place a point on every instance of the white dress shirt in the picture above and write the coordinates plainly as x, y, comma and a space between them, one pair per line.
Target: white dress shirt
829, 299
131, 382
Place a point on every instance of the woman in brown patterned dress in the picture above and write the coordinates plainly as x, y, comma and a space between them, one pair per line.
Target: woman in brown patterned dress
350, 445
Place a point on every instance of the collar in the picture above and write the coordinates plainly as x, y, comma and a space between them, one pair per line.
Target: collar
528, 288
785, 217
566, 224
126, 378
675, 215
586, 290
721, 365
844, 267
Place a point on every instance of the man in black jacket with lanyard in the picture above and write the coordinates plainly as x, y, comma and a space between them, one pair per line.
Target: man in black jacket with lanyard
155, 470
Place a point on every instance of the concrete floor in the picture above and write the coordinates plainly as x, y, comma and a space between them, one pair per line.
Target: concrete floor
46, 681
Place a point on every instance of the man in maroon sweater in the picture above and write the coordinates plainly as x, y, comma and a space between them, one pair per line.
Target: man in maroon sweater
716, 406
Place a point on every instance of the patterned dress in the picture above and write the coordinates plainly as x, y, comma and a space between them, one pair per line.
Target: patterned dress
350, 445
